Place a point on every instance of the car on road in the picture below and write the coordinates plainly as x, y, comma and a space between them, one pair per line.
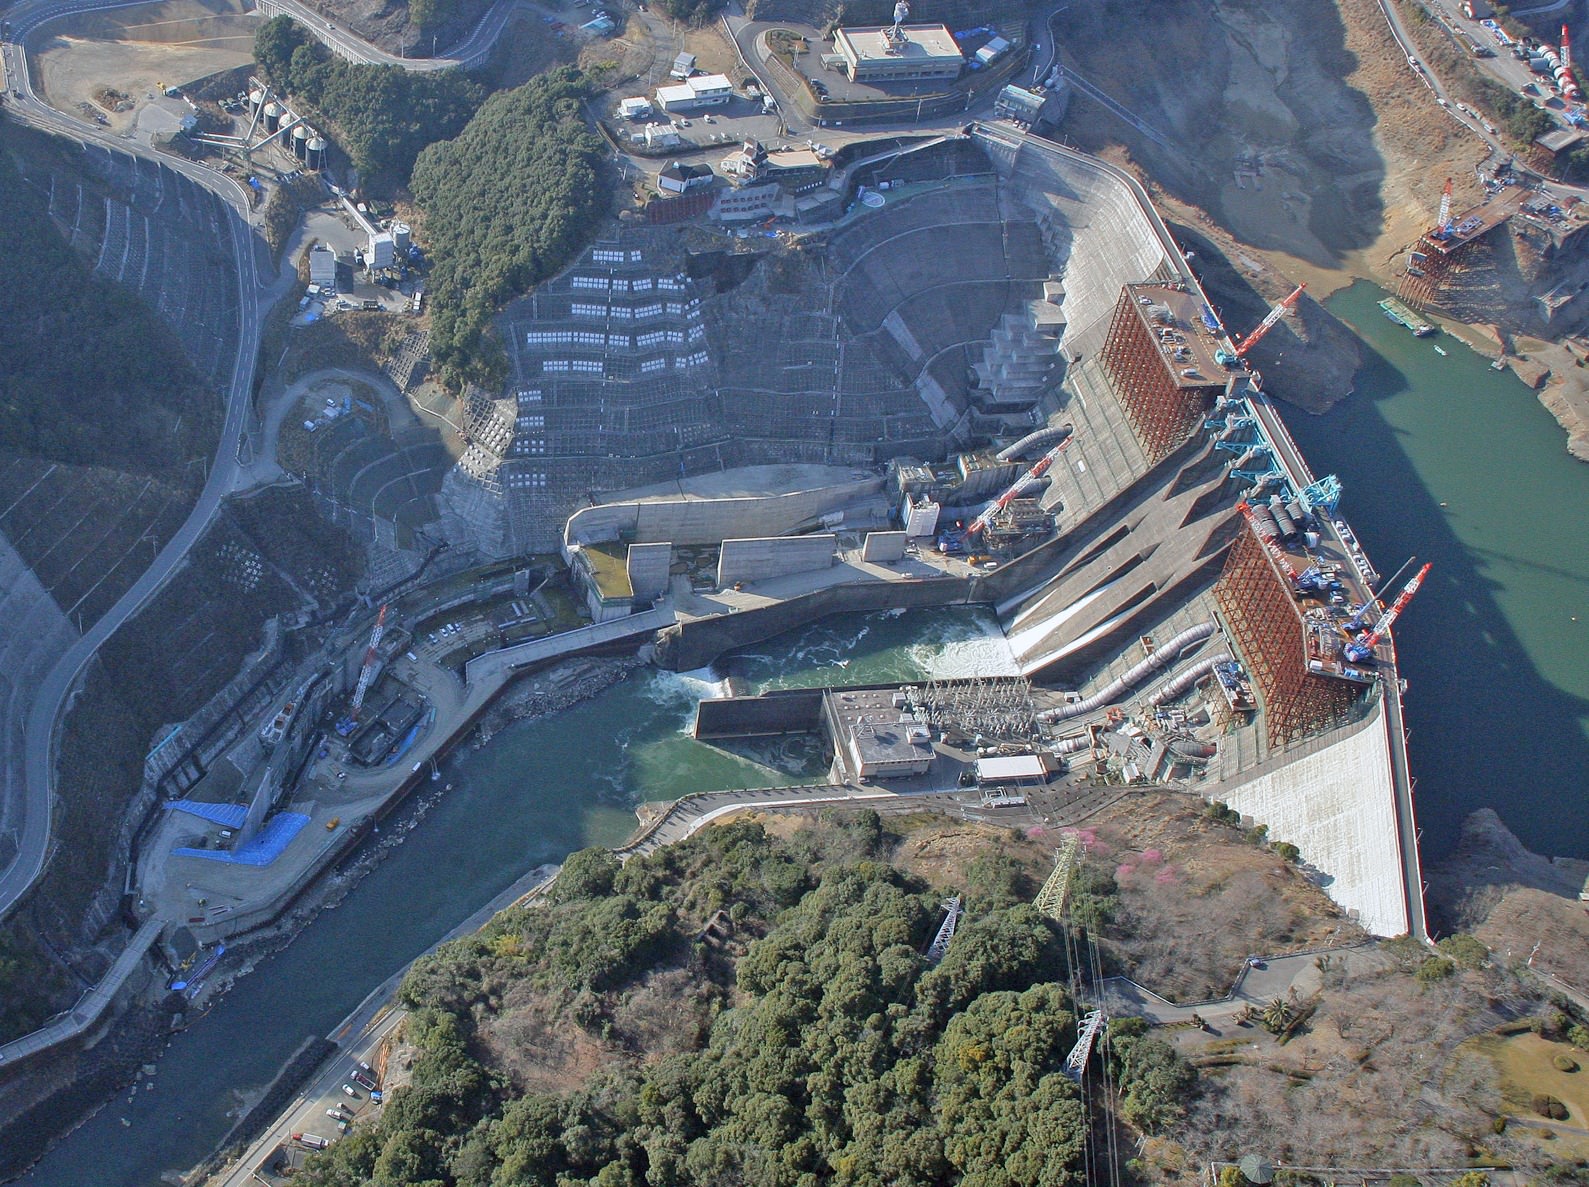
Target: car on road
364, 1081
335, 1114
352, 1091
1257, 962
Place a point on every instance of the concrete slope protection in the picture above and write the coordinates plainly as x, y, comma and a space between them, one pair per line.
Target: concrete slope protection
54, 690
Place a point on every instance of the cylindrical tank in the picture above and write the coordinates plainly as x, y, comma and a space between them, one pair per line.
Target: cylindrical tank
1264, 522
256, 97
300, 141
1300, 516
272, 116
315, 153
401, 236
1283, 520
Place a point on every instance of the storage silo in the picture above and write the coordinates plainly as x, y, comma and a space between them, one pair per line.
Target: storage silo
401, 236
315, 152
255, 98
300, 142
272, 115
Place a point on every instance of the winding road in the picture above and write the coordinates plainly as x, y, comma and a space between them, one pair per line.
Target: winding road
55, 691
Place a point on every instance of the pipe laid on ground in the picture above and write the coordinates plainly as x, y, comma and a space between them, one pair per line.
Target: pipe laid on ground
1040, 438
1134, 675
1175, 687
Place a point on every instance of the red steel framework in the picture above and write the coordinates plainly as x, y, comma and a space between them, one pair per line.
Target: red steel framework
1267, 626
1163, 410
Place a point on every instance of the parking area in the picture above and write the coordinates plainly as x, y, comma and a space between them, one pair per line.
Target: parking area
342, 1096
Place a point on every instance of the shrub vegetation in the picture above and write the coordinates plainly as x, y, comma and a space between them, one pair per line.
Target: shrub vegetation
507, 204
834, 1054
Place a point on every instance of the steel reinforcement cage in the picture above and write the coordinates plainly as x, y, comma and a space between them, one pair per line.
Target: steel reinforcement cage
1162, 412
1268, 631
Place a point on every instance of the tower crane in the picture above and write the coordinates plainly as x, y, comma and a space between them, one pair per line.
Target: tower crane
1020, 484
1568, 83
1443, 223
1268, 323
368, 670
1359, 650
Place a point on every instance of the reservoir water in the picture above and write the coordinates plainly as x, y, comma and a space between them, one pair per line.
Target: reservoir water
1461, 465
1498, 704
540, 790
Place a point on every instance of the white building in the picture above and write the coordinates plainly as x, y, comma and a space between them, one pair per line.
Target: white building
382, 252
921, 517
323, 267
873, 54
634, 109
706, 90
678, 178
660, 136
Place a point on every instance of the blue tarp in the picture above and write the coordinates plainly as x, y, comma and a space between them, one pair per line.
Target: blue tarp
272, 840
225, 815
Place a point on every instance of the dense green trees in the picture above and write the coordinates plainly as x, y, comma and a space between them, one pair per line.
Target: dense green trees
88, 373
507, 204
837, 1056
382, 115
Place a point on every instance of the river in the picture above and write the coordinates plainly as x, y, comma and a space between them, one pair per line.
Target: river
540, 790
1441, 457
1461, 465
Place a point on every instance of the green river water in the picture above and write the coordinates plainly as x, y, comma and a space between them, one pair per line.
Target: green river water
539, 790
1498, 705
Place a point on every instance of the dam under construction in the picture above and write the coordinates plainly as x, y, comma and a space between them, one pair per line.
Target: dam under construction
1003, 388
1018, 395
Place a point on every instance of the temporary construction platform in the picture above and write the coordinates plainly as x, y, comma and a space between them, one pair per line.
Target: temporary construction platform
1295, 611
1442, 248
1160, 358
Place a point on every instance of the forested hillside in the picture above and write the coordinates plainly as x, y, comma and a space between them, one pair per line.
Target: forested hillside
89, 375
738, 1009
507, 204
383, 116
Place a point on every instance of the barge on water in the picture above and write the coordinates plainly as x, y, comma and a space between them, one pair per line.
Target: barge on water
1402, 316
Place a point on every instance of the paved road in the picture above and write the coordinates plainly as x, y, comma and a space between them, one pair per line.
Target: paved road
52, 695
1255, 987
359, 1037
470, 52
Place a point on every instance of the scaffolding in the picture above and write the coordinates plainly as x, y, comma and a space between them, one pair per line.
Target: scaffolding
1270, 634
1163, 407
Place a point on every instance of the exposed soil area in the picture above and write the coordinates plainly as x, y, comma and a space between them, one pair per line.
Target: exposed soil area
137, 52
1289, 138
1514, 900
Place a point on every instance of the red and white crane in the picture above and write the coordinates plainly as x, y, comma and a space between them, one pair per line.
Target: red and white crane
1270, 320
1564, 76
1360, 649
1020, 484
368, 670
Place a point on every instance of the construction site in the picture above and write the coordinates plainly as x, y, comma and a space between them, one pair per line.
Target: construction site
1062, 427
